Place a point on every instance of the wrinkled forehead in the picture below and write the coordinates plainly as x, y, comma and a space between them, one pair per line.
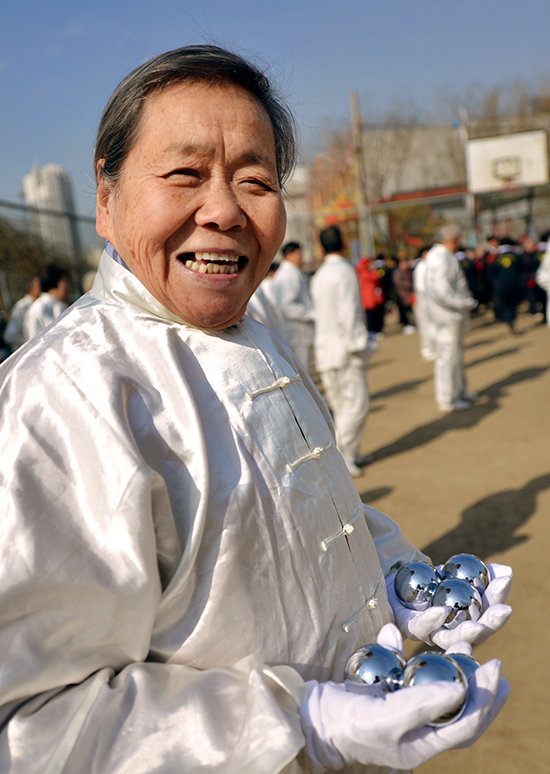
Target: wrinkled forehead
200, 99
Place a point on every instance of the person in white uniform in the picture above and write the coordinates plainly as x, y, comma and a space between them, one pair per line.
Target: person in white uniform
13, 334
425, 332
51, 302
293, 302
186, 564
262, 305
341, 345
449, 303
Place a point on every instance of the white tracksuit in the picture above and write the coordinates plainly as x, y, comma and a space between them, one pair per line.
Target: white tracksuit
341, 350
449, 303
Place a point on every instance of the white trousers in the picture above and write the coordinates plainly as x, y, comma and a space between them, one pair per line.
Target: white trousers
425, 329
450, 377
348, 397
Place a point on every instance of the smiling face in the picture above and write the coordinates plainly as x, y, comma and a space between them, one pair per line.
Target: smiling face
197, 212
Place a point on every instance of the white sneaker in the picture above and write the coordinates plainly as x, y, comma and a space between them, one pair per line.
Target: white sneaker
354, 470
408, 329
427, 354
471, 397
461, 405
457, 405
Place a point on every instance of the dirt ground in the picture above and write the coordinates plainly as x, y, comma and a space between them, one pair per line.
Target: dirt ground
478, 481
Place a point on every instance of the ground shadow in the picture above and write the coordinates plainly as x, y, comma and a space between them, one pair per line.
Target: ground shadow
372, 495
413, 384
481, 342
492, 524
489, 526
482, 321
459, 420
495, 356
373, 409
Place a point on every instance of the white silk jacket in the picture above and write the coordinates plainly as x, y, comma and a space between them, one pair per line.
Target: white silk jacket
340, 330
448, 299
182, 545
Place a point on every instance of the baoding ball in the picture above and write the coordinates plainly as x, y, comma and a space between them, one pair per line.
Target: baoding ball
375, 665
463, 599
429, 667
415, 584
468, 664
468, 567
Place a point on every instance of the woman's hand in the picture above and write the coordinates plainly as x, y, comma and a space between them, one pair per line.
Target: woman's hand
428, 627
343, 724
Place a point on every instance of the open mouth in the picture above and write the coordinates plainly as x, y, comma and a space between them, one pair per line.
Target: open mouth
213, 263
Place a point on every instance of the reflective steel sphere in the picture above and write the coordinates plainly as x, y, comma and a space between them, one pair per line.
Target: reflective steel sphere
375, 665
415, 584
463, 599
468, 664
427, 668
468, 567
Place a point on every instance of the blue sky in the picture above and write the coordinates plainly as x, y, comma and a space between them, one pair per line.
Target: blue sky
60, 60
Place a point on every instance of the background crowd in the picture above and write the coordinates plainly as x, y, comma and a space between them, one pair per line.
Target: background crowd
334, 317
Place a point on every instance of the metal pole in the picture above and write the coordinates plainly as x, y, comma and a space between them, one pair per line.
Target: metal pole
464, 130
366, 237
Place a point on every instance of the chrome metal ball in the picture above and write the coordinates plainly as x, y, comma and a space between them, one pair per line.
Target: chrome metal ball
463, 599
415, 584
427, 668
468, 567
375, 665
468, 664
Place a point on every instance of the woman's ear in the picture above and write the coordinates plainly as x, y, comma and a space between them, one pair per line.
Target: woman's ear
104, 193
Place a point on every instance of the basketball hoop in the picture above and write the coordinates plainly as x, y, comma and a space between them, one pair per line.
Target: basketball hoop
507, 162
507, 171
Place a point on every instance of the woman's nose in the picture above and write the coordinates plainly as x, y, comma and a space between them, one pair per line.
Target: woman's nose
221, 208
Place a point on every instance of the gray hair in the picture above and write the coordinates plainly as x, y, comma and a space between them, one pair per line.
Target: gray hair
209, 64
448, 232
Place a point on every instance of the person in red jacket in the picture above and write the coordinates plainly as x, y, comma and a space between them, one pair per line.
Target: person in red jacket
372, 295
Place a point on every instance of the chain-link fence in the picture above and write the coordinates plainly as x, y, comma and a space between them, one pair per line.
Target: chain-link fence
30, 238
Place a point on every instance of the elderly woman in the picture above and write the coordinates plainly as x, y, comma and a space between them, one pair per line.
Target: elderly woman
182, 544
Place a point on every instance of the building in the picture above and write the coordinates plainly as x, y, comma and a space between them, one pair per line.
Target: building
299, 225
48, 191
414, 178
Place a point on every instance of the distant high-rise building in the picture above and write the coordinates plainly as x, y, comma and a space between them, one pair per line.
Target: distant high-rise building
49, 190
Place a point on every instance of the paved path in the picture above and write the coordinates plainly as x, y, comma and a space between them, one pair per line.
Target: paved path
477, 481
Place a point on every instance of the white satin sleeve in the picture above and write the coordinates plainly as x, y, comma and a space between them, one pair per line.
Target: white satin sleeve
78, 600
163, 718
391, 544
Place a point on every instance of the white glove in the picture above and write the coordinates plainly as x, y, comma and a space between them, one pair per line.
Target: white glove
428, 624
344, 726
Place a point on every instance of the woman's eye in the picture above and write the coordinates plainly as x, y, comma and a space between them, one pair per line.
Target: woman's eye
259, 184
184, 172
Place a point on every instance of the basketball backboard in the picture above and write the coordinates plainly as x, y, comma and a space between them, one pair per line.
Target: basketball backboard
511, 160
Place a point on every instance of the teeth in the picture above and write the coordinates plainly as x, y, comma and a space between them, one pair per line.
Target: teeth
216, 257
211, 268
